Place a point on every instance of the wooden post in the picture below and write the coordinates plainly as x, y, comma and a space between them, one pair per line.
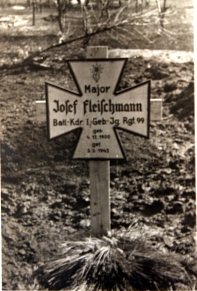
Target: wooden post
99, 175
100, 197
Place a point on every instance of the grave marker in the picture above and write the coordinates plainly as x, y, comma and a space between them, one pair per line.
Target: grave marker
98, 109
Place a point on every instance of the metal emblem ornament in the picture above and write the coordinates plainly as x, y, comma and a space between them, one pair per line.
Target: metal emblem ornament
96, 71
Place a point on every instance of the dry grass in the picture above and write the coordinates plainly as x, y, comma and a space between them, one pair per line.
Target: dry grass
113, 264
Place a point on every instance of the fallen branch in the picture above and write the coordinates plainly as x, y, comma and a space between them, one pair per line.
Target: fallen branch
146, 38
28, 61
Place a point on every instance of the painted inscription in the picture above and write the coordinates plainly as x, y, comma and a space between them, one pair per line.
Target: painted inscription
101, 106
98, 108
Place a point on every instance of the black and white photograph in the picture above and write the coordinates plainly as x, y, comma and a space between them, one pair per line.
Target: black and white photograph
97, 140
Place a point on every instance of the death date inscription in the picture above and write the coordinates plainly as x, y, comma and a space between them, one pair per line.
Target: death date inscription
97, 147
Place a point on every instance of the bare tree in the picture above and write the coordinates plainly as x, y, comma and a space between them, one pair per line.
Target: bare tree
59, 7
161, 11
62, 6
99, 14
119, 24
138, 5
104, 10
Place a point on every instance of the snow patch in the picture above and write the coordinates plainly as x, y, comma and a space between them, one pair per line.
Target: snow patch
166, 56
17, 7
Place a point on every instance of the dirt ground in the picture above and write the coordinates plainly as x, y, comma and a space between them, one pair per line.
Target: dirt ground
45, 194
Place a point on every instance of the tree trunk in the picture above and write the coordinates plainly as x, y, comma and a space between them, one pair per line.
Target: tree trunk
161, 18
163, 13
59, 15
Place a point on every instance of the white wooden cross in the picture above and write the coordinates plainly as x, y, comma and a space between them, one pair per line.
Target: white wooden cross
98, 141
